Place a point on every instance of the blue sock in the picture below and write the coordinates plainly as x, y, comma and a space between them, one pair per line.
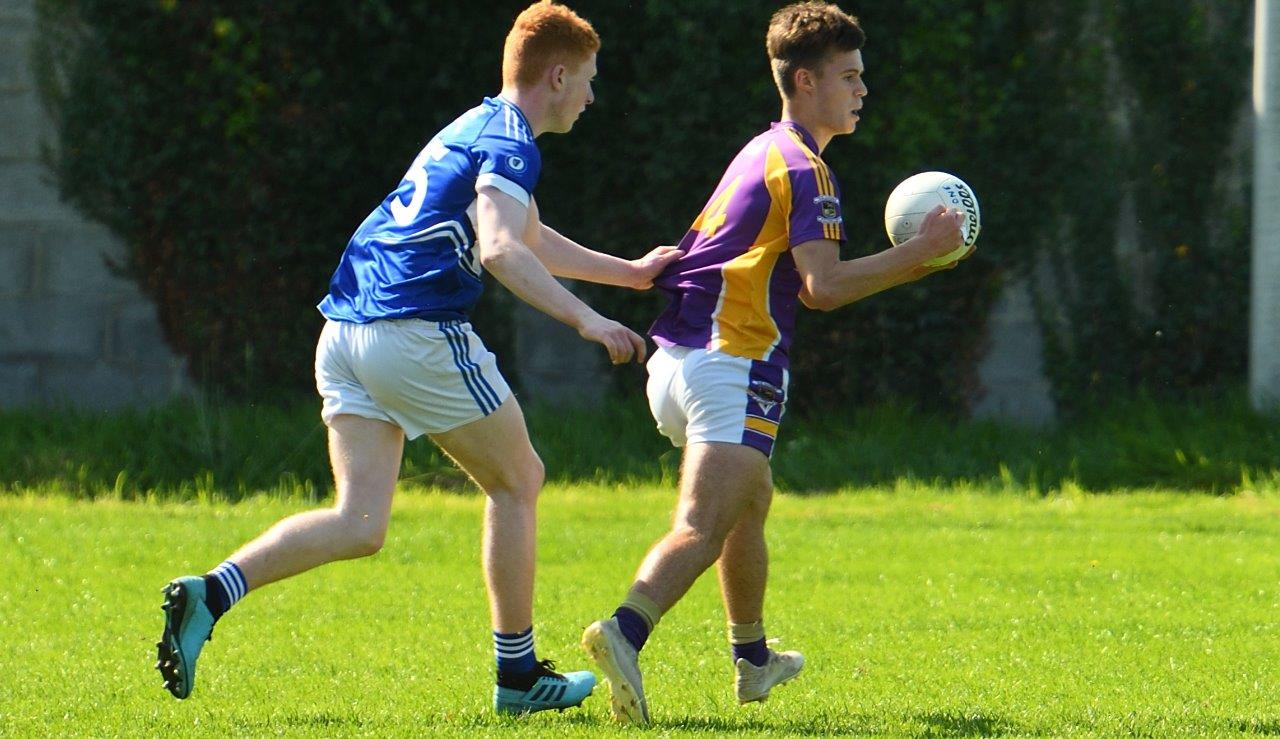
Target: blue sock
224, 587
515, 657
633, 626
754, 652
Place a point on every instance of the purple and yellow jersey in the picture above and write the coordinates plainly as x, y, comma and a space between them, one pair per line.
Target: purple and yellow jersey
736, 287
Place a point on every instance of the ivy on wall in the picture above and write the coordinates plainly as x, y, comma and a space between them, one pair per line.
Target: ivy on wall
234, 147
1146, 283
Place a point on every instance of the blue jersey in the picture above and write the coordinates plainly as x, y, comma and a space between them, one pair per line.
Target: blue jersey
415, 256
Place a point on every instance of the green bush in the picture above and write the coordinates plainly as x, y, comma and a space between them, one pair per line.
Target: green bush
235, 146
1157, 125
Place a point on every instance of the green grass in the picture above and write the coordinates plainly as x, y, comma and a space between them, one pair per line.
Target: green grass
205, 451
922, 611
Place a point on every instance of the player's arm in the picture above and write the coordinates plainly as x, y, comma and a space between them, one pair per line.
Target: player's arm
500, 226
564, 257
829, 283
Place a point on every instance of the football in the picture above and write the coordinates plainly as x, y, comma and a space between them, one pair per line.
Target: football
911, 200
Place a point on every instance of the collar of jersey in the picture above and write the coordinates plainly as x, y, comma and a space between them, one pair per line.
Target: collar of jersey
503, 101
809, 141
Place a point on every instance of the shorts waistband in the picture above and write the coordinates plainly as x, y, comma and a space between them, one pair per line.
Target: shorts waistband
677, 350
410, 322
455, 323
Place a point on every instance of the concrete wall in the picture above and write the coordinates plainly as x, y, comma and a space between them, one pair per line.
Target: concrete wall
1264, 354
70, 331
555, 365
1011, 373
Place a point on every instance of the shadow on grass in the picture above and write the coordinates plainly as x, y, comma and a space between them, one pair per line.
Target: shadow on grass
823, 725
1266, 727
321, 721
852, 724
956, 724
845, 725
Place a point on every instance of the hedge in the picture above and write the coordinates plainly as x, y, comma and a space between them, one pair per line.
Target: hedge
235, 146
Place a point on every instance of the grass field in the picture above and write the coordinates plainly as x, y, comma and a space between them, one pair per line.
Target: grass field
922, 611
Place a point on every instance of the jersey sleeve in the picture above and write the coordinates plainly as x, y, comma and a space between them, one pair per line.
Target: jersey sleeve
509, 163
815, 204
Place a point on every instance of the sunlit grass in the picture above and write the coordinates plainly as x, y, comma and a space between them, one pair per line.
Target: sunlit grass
923, 610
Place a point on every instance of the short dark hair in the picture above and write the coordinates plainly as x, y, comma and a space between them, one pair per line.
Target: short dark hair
802, 34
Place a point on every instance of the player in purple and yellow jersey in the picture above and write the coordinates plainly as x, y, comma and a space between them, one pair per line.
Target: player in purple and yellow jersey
768, 239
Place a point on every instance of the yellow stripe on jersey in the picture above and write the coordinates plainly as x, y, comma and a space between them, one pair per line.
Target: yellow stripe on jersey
743, 325
762, 426
822, 173
820, 169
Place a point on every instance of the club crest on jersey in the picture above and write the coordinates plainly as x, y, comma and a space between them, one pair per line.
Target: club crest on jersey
516, 163
766, 395
828, 210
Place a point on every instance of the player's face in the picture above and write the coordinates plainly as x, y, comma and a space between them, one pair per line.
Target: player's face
840, 91
575, 95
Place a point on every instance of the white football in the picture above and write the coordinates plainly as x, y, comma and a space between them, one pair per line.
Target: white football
911, 200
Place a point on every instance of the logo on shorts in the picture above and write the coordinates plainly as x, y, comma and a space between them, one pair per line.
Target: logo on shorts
766, 395
516, 164
828, 210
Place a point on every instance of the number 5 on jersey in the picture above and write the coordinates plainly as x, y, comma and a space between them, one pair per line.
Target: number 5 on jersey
403, 212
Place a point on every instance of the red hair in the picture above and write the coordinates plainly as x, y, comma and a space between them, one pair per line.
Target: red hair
544, 34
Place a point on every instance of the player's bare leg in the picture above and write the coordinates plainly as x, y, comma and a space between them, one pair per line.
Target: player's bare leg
365, 455
495, 451
718, 482
366, 461
744, 568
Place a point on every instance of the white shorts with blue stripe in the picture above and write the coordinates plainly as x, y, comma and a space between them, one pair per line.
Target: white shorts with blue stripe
424, 377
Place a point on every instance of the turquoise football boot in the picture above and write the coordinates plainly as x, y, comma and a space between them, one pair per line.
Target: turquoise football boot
551, 691
188, 624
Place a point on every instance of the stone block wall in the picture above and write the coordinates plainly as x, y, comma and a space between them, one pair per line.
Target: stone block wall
71, 331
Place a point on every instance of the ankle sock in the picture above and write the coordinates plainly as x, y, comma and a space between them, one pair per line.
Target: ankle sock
637, 616
748, 642
517, 664
633, 627
224, 587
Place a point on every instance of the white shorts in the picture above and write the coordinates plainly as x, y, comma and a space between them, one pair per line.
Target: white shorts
424, 377
697, 395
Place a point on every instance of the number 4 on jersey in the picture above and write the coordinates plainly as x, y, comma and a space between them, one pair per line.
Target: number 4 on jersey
716, 213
